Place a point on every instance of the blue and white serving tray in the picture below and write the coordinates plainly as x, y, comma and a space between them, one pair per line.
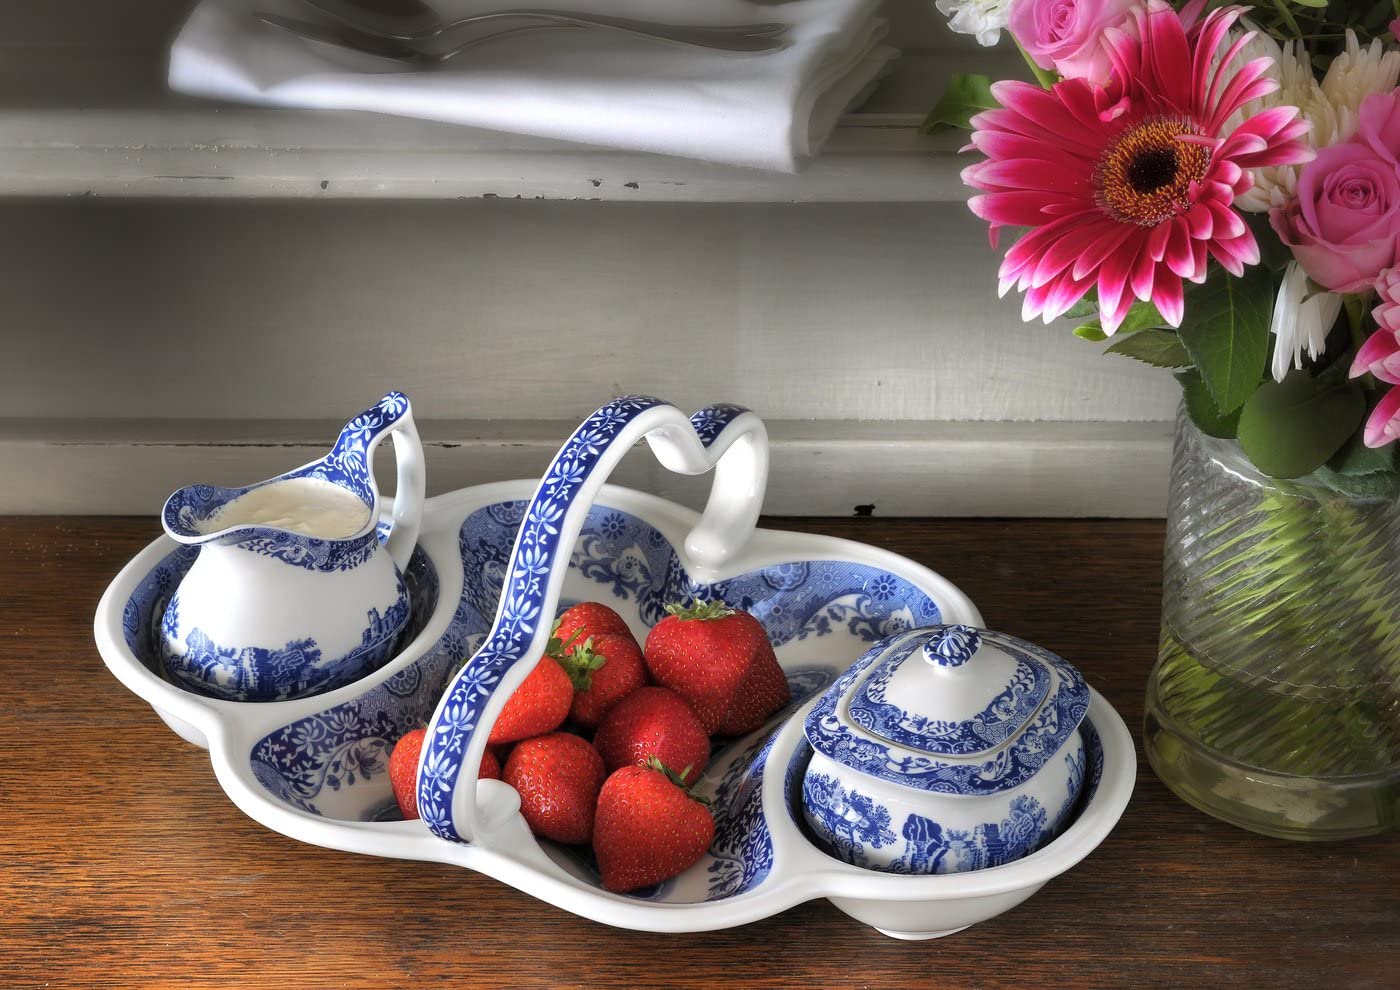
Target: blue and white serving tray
493, 566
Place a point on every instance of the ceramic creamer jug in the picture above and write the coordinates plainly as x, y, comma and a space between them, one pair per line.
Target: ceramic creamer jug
292, 592
945, 749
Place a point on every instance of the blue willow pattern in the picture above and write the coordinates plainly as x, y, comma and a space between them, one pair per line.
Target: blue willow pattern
1007, 769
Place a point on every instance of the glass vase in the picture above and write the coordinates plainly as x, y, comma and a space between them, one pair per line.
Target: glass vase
1275, 701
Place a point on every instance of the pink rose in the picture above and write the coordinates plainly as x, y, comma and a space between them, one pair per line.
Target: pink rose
1067, 35
1344, 225
1378, 125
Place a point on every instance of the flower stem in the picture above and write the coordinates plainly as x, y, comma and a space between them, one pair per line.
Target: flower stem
1045, 77
1355, 306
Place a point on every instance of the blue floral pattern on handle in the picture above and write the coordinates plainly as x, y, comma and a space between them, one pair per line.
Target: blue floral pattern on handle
346, 466
536, 554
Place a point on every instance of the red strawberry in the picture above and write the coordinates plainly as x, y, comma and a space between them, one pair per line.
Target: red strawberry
403, 771
490, 768
588, 619
704, 652
558, 777
653, 721
539, 705
604, 669
649, 828
764, 691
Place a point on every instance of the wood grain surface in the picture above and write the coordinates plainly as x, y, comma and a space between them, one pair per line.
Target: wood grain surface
122, 864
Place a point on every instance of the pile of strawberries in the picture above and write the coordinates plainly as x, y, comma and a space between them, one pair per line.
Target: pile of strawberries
604, 740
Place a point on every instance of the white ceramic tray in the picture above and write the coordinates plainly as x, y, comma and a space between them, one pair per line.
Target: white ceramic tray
316, 768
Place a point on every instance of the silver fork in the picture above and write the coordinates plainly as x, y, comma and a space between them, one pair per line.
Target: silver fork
415, 21
410, 53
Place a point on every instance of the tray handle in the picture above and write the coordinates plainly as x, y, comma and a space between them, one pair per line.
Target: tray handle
727, 439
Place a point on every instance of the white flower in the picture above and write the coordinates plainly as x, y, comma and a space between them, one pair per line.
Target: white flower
1354, 75
1303, 316
1331, 106
982, 18
1298, 87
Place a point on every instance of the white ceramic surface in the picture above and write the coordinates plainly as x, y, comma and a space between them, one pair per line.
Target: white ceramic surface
270, 611
762, 863
944, 750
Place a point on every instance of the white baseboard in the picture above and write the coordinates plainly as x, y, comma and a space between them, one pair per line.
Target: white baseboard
818, 468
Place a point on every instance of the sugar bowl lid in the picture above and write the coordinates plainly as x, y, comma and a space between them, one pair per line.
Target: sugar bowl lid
951, 709
957, 695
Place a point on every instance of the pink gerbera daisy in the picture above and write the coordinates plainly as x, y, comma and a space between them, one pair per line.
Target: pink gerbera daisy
1380, 356
1127, 187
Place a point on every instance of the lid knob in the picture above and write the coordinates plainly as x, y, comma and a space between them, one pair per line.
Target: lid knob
952, 646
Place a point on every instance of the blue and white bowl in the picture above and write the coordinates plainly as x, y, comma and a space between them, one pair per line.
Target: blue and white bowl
494, 563
944, 750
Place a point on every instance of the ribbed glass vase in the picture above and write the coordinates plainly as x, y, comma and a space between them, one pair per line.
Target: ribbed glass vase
1275, 701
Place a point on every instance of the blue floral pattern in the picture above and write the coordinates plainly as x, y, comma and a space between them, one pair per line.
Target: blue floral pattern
710, 422
742, 848
953, 646
519, 613
991, 727
1007, 769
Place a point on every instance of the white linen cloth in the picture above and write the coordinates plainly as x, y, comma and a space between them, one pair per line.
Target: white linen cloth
594, 86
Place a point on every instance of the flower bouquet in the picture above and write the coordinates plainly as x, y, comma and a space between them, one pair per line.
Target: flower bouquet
1215, 189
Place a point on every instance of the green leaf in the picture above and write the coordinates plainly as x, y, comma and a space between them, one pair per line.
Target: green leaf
1292, 428
1142, 316
1317, 4
1203, 410
1377, 484
1085, 308
1159, 348
1355, 458
967, 94
1227, 333
1273, 253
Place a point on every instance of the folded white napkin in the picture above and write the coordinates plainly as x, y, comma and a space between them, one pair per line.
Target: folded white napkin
594, 86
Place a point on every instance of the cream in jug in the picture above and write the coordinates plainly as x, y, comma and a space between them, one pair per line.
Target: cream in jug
293, 593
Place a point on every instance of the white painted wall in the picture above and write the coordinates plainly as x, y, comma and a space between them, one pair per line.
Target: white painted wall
524, 310
147, 343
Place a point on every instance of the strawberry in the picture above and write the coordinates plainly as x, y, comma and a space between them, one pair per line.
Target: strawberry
653, 722
649, 827
764, 691
539, 705
604, 669
403, 771
558, 777
587, 619
490, 768
704, 652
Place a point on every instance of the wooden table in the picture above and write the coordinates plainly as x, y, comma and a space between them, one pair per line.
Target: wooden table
123, 864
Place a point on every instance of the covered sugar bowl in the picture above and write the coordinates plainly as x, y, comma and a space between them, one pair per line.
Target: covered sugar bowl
945, 749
